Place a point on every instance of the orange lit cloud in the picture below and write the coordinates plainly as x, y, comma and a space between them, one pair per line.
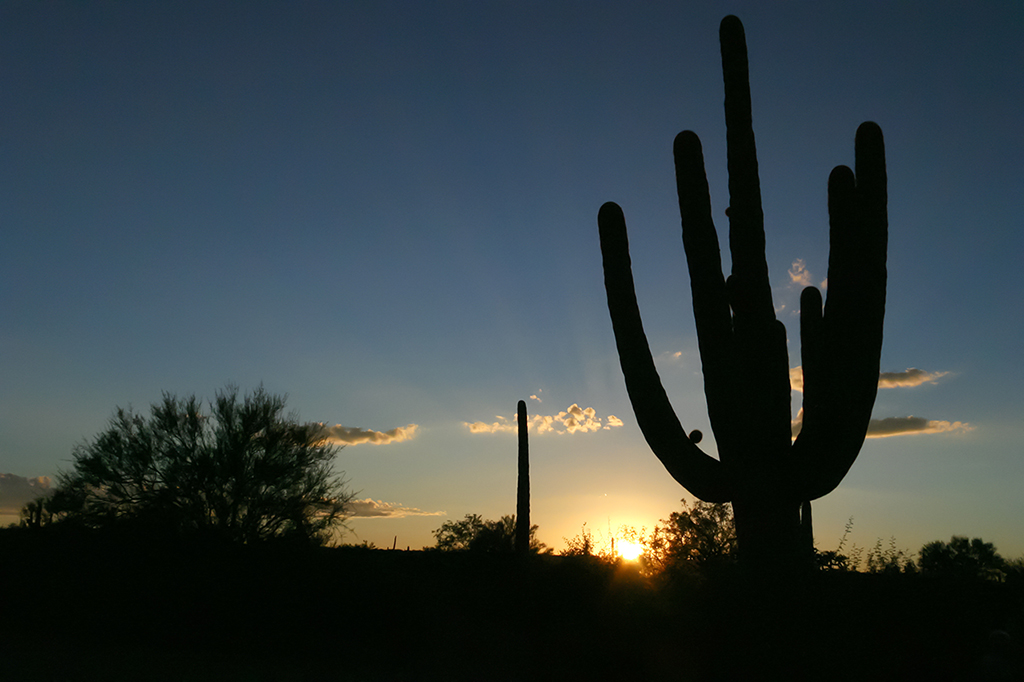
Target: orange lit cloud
376, 509
906, 379
574, 419
908, 426
899, 426
349, 435
799, 274
677, 358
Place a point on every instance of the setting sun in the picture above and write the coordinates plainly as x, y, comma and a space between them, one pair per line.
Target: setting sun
630, 551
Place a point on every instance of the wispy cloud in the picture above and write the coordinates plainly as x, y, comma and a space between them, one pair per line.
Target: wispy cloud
799, 274
350, 435
686, 359
908, 426
17, 491
906, 379
534, 397
503, 425
670, 356
574, 419
909, 378
376, 509
899, 426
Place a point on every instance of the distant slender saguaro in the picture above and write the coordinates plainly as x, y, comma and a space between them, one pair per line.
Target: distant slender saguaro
523, 489
768, 476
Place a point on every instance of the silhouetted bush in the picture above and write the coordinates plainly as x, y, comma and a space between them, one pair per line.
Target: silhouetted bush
962, 559
889, 559
698, 539
482, 535
243, 472
580, 545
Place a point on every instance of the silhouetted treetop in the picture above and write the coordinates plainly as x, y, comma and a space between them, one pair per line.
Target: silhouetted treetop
962, 559
700, 537
482, 535
242, 470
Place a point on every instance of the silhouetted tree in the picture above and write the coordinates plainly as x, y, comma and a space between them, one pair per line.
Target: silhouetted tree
496, 536
700, 537
962, 559
479, 535
455, 536
1014, 570
243, 471
765, 474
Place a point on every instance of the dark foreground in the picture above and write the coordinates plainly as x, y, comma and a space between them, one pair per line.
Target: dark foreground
79, 608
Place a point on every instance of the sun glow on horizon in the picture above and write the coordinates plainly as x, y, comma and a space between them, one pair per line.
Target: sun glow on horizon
630, 551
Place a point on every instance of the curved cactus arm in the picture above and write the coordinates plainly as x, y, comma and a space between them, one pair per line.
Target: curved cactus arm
696, 471
843, 345
707, 284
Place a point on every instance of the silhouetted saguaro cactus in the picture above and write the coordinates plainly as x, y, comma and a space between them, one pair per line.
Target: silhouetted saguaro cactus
523, 488
765, 473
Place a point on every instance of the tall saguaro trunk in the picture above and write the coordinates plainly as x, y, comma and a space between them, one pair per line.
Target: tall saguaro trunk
768, 475
523, 488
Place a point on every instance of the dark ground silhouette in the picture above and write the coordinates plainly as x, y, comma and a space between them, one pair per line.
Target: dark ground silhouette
107, 607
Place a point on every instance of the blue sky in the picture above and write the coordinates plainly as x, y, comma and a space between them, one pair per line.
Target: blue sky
387, 211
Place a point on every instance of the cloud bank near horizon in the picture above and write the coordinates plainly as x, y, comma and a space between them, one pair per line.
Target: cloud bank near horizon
899, 426
909, 378
377, 509
574, 419
350, 435
909, 426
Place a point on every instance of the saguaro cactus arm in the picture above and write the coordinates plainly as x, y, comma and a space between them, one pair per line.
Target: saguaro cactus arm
710, 300
841, 348
696, 471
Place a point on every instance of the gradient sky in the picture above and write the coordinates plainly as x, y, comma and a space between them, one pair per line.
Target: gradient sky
387, 211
